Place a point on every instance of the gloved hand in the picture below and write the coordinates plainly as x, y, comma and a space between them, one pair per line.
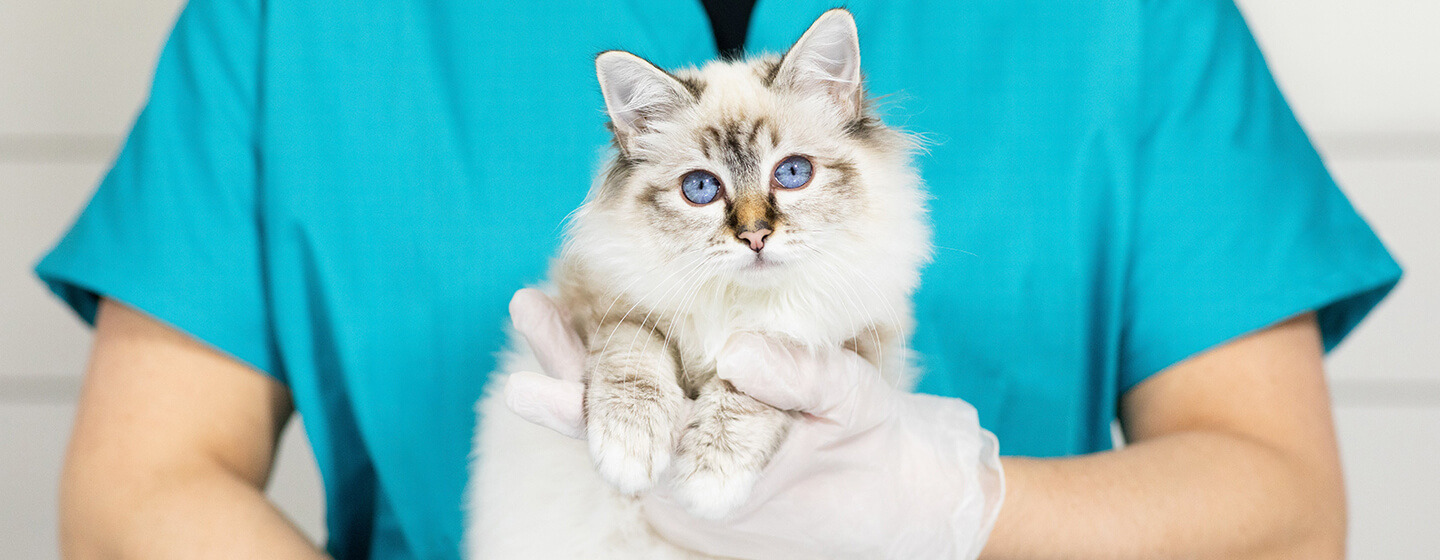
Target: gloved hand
868, 472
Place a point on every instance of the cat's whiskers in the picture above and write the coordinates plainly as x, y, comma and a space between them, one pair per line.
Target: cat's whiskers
694, 262
683, 311
697, 272
619, 294
890, 310
894, 315
835, 273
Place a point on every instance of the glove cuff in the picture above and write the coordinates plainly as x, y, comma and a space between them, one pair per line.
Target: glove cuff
976, 514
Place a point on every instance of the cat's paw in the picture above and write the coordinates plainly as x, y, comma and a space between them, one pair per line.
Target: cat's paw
632, 463
631, 433
730, 439
708, 493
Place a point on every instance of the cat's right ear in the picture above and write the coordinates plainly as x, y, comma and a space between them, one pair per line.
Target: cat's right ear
636, 91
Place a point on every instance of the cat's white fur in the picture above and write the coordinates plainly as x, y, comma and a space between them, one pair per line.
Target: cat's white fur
536, 494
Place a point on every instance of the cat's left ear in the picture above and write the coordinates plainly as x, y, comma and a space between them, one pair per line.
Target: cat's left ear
826, 61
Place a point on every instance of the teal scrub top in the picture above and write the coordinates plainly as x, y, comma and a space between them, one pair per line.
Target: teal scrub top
345, 194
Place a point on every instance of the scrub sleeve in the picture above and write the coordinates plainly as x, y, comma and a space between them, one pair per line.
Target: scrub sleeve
172, 230
1237, 224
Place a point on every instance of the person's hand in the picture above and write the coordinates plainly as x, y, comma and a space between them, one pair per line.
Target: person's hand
553, 400
867, 472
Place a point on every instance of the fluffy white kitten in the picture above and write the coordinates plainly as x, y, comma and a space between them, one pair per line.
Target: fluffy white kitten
759, 196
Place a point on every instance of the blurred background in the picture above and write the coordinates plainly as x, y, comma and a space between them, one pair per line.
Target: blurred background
1363, 76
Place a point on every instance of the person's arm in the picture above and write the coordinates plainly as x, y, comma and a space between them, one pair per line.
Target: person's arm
1231, 454
172, 445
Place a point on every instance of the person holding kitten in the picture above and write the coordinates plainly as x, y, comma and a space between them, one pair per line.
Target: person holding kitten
327, 211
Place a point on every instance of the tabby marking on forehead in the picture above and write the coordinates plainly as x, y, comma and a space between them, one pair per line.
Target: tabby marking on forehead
736, 138
737, 151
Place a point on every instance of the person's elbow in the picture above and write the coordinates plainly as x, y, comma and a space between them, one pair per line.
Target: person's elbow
172, 442
110, 492
1316, 504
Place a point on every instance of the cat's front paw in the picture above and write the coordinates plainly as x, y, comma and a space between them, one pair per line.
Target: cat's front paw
631, 430
709, 493
730, 439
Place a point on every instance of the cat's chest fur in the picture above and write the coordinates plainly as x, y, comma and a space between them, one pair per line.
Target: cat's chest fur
698, 339
697, 330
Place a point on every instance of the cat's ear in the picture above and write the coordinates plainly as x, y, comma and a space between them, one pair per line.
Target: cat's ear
636, 91
826, 61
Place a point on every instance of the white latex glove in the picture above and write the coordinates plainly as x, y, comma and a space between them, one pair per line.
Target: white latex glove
868, 472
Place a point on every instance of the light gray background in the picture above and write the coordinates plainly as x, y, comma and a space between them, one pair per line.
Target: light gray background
1363, 75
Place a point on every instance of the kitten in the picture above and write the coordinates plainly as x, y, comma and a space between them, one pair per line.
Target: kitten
760, 196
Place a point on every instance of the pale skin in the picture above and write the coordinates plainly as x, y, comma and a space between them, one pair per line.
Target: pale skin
172, 445
1232, 454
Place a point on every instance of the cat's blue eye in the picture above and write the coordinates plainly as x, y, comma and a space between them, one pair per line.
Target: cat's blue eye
794, 172
700, 187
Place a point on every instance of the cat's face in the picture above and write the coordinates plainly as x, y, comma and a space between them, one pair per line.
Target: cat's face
765, 174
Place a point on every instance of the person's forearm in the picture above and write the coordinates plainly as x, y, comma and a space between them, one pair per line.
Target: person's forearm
1184, 495
206, 514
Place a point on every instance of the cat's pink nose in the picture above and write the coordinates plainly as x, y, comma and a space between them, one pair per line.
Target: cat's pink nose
756, 238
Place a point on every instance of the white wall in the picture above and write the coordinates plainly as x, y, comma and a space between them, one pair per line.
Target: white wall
1363, 75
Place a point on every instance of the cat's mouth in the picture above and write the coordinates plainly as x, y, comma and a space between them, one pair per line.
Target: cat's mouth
759, 265
761, 262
